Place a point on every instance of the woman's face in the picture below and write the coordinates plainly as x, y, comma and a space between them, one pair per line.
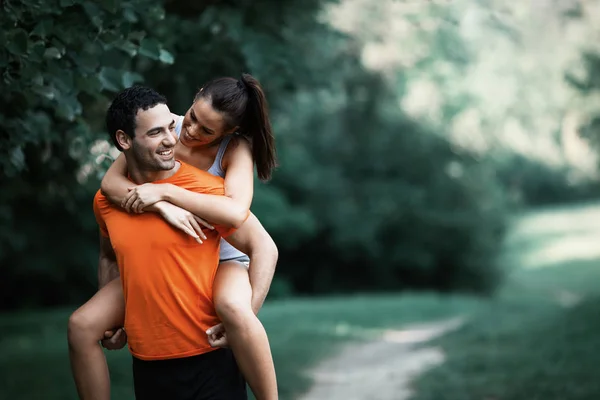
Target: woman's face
203, 125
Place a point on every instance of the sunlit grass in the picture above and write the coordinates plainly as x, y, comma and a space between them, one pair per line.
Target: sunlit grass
526, 344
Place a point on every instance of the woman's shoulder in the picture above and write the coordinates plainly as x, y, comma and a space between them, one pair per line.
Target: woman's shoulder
239, 146
238, 143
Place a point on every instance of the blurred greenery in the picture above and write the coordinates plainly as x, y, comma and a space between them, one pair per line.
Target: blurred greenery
409, 134
385, 194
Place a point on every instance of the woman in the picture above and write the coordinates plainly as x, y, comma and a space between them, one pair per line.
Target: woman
226, 131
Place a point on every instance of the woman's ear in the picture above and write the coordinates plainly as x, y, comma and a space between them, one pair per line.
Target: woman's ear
232, 130
123, 139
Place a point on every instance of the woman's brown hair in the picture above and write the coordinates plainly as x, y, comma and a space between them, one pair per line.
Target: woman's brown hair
243, 104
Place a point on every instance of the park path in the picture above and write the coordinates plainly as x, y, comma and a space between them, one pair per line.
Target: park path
384, 367
380, 369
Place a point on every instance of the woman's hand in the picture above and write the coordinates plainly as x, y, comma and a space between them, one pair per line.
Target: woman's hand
142, 196
183, 220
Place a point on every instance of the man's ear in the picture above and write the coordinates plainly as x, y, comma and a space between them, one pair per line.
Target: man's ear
123, 139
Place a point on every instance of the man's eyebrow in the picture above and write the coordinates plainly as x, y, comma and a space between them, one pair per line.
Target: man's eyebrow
155, 129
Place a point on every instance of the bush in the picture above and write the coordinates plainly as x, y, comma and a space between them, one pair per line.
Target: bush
390, 204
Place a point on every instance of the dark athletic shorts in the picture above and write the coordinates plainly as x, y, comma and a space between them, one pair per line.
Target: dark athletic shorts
209, 376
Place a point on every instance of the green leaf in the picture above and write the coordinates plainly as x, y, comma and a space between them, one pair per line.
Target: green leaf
166, 57
17, 158
137, 35
150, 48
110, 79
88, 84
43, 28
130, 78
68, 108
86, 62
110, 5
94, 13
128, 48
52, 52
17, 42
44, 91
66, 3
36, 53
38, 79
64, 81
130, 15
157, 13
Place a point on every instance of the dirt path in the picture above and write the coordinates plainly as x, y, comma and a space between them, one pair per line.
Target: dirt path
392, 360
388, 363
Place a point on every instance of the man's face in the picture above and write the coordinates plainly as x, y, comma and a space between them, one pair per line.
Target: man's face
154, 142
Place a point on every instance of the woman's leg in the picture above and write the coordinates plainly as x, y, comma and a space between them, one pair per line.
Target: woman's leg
247, 338
103, 312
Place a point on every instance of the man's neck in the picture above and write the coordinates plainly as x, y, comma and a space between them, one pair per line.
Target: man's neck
140, 176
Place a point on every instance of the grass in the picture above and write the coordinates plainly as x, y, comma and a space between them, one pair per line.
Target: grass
524, 345
521, 344
34, 362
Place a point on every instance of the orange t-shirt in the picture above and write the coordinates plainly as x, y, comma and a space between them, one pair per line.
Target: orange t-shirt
167, 276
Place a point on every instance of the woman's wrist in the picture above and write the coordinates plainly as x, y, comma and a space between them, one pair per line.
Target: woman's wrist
167, 192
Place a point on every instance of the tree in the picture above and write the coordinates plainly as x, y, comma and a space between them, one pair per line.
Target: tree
61, 60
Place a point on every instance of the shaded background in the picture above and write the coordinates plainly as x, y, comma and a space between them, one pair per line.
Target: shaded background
411, 134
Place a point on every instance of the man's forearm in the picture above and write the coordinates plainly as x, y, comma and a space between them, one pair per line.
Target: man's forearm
216, 209
107, 271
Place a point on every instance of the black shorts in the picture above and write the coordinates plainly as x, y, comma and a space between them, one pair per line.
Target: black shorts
210, 376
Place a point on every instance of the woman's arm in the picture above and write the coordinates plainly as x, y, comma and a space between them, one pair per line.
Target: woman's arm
239, 172
115, 183
232, 209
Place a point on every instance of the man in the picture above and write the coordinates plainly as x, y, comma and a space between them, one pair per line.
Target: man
166, 275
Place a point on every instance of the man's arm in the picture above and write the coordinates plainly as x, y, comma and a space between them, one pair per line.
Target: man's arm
252, 239
108, 268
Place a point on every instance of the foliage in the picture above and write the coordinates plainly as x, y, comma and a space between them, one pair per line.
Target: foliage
531, 182
588, 84
61, 60
393, 205
366, 198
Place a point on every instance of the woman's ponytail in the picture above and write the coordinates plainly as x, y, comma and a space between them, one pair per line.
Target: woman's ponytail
257, 125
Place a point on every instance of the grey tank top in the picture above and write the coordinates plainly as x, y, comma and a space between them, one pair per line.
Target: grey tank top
227, 251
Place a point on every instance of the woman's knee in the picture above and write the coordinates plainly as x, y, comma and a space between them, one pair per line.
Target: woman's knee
82, 328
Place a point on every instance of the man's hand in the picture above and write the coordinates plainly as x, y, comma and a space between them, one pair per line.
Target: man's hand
183, 220
142, 196
217, 337
115, 339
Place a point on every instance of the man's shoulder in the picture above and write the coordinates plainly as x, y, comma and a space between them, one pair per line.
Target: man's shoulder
101, 203
197, 180
100, 199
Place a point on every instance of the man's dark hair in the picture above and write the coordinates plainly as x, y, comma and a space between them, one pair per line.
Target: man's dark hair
123, 109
